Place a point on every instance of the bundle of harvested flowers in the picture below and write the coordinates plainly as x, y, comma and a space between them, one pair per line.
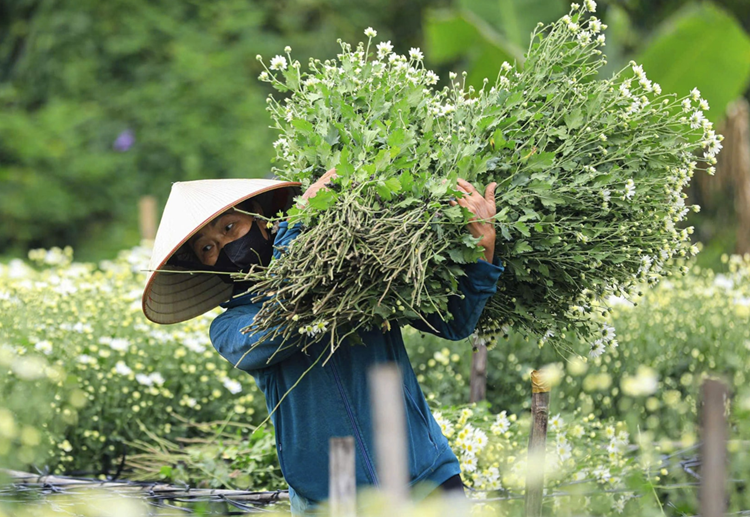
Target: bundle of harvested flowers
590, 175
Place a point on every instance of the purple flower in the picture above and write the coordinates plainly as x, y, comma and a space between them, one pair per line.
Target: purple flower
124, 141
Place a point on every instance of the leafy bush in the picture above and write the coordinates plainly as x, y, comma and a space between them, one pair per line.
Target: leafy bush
84, 366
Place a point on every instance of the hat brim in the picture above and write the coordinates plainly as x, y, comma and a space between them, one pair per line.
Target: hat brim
172, 294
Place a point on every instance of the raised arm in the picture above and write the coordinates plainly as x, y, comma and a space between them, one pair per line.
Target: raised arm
480, 281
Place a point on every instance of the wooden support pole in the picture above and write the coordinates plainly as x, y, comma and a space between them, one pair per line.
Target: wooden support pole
540, 389
147, 217
478, 381
342, 484
387, 393
713, 449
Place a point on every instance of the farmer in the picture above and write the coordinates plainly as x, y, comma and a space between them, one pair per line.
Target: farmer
200, 230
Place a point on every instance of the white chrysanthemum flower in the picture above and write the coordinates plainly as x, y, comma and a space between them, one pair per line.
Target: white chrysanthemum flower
431, 77
657, 88
606, 195
703, 103
601, 39
120, 344
384, 48
556, 423
595, 26
506, 67
695, 94
311, 81
144, 379
263, 76
608, 332
638, 71
370, 32
629, 189
416, 54
287, 49
590, 5
501, 424
584, 38
44, 347
575, 6
232, 385
156, 378
278, 63
625, 90
696, 119
122, 368
686, 106
597, 348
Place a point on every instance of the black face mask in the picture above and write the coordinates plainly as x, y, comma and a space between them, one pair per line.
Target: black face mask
252, 248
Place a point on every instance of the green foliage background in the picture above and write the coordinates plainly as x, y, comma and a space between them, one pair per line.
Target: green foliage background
181, 75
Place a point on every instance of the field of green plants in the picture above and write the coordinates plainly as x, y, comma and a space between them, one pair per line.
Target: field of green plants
87, 381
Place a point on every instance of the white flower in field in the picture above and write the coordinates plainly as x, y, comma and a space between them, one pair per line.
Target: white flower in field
287, 49
431, 77
281, 142
122, 368
278, 63
657, 88
501, 424
597, 348
645, 382
370, 32
695, 94
311, 81
646, 84
468, 464
703, 103
602, 474
606, 195
573, 27
144, 379
575, 6
584, 38
232, 385
619, 504
696, 119
264, 76
416, 54
608, 332
723, 282
564, 450
625, 90
590, 5
44, 346
629, 189
156, 378
638, 71
686, 106
85, 359
556, 423
120, 344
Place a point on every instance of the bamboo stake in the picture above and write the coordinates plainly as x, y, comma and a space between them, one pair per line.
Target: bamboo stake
713, 450
147, 217
478, 384
342, 484
540, 389
386, 389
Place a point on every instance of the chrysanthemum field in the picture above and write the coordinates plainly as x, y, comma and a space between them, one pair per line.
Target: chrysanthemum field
89, 387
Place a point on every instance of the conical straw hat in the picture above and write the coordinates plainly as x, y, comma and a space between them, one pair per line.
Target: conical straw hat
174, 297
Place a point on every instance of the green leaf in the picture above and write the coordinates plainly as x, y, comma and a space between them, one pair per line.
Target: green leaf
166, 471
303, 125
574, 119
393, 184
323, 199
522, 247
407, 181
523, 228
540, 161
702, 47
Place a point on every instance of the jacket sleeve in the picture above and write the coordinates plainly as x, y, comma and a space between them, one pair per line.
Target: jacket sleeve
477, 286
225, 329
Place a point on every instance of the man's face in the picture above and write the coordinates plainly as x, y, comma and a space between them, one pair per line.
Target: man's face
228, 227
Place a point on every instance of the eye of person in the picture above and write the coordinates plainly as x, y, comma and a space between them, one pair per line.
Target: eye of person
229, 227
207, 248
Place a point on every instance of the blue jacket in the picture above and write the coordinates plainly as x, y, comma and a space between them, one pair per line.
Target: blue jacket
333, 400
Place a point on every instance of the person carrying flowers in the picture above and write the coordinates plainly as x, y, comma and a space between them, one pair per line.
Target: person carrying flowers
201, 232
